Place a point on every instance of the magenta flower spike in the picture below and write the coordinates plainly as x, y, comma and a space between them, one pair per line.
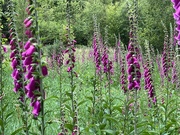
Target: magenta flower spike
134, 74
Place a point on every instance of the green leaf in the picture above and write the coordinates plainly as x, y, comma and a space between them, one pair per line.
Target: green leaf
111, 119
90, 98
149, 133
69, 94
69, 126
82, 102
4, 108
171, 112
8, 115
17, 131
169, 125
102, 125
51, 97
1, 123
108, 131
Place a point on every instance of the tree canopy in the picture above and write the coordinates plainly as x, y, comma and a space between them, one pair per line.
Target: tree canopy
112, 14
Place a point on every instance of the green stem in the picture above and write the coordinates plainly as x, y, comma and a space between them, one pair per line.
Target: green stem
40, 71
109, 95
167, 103
135, 113
126, 131
1, 74
94, 98
24, 108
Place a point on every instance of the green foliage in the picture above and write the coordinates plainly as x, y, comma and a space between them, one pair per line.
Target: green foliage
49, 31
54, 49
110, 13
151, 15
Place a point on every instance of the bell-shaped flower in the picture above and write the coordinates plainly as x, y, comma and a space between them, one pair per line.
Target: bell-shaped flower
36, 108
44, 71
28, 60
30, 50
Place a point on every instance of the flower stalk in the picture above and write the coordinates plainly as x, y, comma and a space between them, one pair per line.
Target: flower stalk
18, 68
1, 74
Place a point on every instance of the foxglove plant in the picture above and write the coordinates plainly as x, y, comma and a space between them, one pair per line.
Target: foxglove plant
117, 51
165, 57
2, 117
97, 57
134, 74
174, 73
97, 108
70, 50
108, 70
148, 78
159, 63
17, 66
35, 68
